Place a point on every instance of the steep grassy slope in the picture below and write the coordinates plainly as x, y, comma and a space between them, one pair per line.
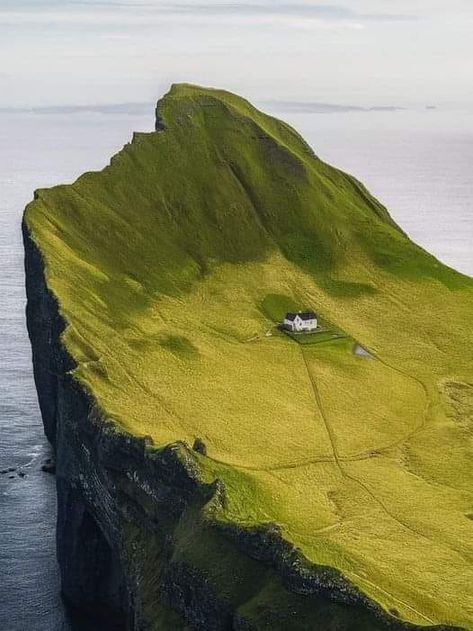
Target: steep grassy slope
171, 268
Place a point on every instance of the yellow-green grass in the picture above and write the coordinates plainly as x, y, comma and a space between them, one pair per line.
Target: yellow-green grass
172, 268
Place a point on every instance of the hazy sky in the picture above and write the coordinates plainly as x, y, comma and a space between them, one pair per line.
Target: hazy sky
368, 52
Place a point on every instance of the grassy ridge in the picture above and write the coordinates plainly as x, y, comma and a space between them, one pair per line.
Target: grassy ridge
172, 267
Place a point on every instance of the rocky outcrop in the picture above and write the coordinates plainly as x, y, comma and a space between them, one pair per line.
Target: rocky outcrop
137, 543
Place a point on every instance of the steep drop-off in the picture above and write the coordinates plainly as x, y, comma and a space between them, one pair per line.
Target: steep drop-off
213, 472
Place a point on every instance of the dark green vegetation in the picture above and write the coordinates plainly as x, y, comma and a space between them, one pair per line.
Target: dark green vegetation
171, 268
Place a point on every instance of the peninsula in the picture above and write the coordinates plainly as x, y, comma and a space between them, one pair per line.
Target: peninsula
214, 472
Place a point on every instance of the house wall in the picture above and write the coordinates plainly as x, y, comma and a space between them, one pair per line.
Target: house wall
288, 324
300, 325
306, 325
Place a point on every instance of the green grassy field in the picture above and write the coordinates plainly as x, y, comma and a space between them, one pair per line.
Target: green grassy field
173, 267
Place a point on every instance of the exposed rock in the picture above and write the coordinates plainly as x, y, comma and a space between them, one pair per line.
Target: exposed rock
48, 468
360, 351
199, 446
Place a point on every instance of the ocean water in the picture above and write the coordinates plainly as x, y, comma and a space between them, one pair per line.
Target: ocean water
417, 163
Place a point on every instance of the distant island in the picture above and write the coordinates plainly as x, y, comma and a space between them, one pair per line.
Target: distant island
308, 107
141, 109
136, 109
216, 472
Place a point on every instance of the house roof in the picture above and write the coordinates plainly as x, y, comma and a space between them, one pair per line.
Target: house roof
303, 315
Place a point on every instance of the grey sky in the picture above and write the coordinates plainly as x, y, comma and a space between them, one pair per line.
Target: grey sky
367, 53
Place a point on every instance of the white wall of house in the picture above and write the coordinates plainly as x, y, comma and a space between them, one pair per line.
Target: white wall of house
298, 324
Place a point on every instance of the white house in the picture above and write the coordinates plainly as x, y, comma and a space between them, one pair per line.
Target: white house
302, 321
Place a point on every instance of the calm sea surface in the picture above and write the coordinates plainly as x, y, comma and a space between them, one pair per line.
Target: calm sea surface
417, 163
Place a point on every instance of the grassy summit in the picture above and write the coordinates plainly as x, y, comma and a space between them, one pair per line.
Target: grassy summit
172, 265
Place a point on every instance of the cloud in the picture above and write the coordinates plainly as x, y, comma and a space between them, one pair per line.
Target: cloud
144, 13
268, 9
332, 12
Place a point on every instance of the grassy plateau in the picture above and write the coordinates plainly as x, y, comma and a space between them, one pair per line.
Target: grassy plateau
172, 268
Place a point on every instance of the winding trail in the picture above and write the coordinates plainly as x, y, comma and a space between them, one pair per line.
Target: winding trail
336, 457
332, 438
339, 461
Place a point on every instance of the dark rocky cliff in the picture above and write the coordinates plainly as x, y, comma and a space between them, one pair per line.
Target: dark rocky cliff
133, 543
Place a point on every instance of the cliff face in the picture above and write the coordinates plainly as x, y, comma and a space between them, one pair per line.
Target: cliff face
133, 546
91, 577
